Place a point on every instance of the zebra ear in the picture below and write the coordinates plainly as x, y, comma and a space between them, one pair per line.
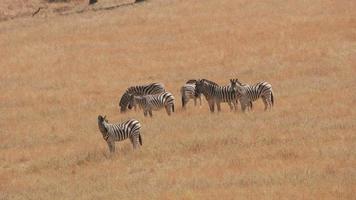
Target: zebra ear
237, 81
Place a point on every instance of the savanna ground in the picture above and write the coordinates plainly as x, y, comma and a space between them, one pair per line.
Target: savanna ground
59, 72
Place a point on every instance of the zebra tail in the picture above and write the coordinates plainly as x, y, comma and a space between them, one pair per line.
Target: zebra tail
182, 102
272, 98
173, 107
140, 139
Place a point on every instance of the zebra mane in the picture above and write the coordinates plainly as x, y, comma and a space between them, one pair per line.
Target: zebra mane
210, 82
191, 81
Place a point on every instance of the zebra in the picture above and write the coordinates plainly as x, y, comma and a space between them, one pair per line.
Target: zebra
153, 102
121, 131
233, 83
188, 92
140, 90
216, 94
250, 93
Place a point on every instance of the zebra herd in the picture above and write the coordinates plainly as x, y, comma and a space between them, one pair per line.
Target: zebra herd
155, 97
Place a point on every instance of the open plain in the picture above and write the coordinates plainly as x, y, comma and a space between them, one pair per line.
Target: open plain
58, 72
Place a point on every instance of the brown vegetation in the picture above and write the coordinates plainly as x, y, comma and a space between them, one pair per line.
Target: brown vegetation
58, 73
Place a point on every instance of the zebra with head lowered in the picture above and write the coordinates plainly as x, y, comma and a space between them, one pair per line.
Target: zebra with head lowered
188, 92
140, 90
120, 131
250, 93
153, 102
216, 94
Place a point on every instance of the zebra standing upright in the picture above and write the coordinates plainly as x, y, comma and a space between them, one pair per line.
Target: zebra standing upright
153, 102
118, 132
250, 93
233, 83
216, 94
188, 92
140, 90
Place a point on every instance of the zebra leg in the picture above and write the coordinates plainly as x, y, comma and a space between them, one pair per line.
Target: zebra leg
140, 138
195, 101
243, 107
211, 106
230, 105
265, 101
145, 113
150, 112
218, 106
270, 100
168, 109
111, 145
243, 103
235, 105
137, 142
200, 99
250, 105
134, 141
183, 102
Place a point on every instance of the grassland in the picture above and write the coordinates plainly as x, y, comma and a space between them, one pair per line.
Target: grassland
59, 72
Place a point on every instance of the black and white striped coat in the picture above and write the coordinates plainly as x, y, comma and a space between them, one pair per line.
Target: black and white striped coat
153, 102
188, 92
140, 90
120, 131
251, 93
216, 94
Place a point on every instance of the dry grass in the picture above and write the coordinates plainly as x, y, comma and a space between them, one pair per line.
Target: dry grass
59, 73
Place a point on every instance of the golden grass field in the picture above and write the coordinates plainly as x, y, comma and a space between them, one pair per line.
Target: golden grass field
59, 72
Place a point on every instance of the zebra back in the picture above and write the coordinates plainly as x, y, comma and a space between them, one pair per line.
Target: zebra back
210, 82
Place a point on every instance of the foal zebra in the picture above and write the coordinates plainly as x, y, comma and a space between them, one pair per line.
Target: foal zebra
188, 92
140, 90
216, 94
250, 93
121, 131
153, 102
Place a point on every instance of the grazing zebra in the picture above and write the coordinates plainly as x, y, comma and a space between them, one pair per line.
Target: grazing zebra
118, 132
140, 90
216, 94
250, 93
188, 92
153, 102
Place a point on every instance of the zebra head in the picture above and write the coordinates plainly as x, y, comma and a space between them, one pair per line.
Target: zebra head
237, 85
198, 87
233, 84
124, 101
131, 101
101, 121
